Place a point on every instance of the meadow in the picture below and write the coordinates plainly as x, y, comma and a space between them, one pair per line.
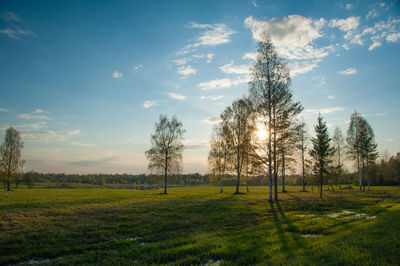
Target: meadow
198, 225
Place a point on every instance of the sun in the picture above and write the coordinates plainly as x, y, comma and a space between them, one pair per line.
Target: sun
261, 133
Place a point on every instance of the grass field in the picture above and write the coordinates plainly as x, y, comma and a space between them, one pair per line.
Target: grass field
197, 225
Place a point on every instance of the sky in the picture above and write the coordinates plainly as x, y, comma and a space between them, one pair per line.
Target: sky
85, 81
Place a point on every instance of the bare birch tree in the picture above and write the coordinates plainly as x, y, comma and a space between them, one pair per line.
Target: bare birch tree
11, 155
165, 154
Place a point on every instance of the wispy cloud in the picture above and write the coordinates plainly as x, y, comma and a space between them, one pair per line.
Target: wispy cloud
212, 120
377, 9
3, 110
349, 6
331, 97
252, 56
348, 71
235, 69
212, 98
374, 45
215, 34
222, 83
301, 67
186, 70
10, 17
48, 135
325, 110
32, 116
176, 96
117, 74
181, 61
14, 28
209, 58
148, 104
138, 67
79, 144
393, 37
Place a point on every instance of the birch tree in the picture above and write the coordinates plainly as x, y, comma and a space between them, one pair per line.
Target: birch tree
165, 154
272, 98
11, 155
238, 126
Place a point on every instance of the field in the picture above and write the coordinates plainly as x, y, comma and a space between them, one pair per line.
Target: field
198, 225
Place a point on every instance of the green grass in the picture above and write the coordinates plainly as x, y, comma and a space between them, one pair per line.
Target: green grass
198, 225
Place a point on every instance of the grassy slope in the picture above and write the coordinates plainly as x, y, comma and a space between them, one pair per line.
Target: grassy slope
197, 225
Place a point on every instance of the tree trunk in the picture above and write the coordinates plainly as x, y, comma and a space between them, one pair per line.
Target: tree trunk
283, 172
221, 185
359, 173
363, 176
320, 176
165, 179
237, 183
302, 162
247, 173
270, 155
275, 163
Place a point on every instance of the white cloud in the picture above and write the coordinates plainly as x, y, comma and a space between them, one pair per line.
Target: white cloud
117, 74
254, 3
393, 37
10, 17
176, 96
377, 9
3, 110
74, 132
138, 67
212, 98
349, 6
235, 69
215, 84
301, 67
212, 120
348, 24
331, 97
148, 104
374, 45
181, 61
15, 29
186, 70
48, 135
252, 56
39, 111
348, 71
215, 34
30, 116
37, 125
293, 36
222, 83
389, 139
209, 58
79, 144
325, 110
16, 33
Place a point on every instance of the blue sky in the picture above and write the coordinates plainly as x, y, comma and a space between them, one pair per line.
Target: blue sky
85, 81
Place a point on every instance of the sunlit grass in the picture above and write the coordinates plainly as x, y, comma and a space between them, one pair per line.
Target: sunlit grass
198, 225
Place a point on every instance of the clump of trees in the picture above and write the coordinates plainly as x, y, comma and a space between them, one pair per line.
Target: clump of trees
234, 145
